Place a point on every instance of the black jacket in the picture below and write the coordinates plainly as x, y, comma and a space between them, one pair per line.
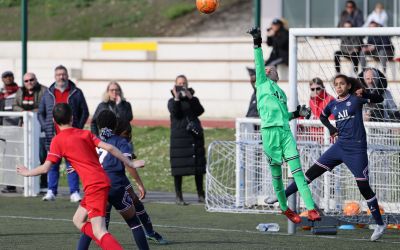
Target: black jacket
187, 152
280, 45
123, 111
252, 111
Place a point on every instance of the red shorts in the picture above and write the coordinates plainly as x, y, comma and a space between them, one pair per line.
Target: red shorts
95, 201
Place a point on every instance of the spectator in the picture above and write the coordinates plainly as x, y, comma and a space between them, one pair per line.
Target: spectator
252, 111
187, 152
62, 91
350, 47
278, 39
378, 47
376, 82
319, 98
378, 15
27, 99
352, 14
7, 96
114, 100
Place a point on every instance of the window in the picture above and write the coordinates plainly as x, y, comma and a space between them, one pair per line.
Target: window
295, 12
322, 13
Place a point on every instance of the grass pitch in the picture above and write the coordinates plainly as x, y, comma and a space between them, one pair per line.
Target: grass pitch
29, 223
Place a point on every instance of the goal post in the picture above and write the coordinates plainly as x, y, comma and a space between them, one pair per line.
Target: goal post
20, 145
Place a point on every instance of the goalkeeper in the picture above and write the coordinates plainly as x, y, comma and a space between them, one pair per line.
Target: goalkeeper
278, 141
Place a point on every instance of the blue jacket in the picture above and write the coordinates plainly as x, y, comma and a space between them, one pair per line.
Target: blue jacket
78, 104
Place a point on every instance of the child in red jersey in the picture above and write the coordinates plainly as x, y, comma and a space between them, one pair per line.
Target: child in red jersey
79, 148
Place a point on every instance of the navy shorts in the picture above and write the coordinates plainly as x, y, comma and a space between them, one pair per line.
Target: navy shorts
356, 161
120, 199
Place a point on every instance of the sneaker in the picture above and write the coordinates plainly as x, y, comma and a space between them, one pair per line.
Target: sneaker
270, 200
75, 197
49, 196
292, 216
157, 238
313, 215
201, 199
8, 190
378, 232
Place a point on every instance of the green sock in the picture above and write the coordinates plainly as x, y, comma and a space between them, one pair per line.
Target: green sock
277, 183
302, 185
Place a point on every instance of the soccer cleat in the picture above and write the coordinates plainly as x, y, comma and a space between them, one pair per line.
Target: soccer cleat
292, 216
49, 196
270, 200
75, 197
157, 238
378, 232
313, 215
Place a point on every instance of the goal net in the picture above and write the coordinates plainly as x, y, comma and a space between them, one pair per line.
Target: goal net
238, 177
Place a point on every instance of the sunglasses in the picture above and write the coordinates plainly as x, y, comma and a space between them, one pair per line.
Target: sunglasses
29, 80
316, 89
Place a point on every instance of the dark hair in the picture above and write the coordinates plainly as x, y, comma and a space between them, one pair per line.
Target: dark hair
123, 125
318, 81
354, 82
106, 119
62, 113
61, 67
352, 3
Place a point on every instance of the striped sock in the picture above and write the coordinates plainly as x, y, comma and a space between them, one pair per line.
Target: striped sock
144, 218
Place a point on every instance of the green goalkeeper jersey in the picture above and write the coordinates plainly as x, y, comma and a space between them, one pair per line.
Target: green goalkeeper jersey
271, 100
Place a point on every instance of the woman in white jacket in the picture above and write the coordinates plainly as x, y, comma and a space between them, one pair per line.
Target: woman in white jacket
378, 15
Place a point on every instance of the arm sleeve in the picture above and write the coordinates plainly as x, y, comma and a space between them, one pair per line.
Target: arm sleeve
197, 108
84, 110
17, 104
325, 121
174, 108
42, 112
55, 154
126, 149
326, 111
94, 139
261, 76
373, 98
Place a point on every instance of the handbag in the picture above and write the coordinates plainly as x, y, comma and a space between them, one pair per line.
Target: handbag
194, 127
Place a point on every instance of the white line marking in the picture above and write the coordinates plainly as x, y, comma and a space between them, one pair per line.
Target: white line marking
200, 228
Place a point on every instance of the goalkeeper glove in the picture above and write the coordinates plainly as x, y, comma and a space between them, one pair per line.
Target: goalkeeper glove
256, 34
302, 111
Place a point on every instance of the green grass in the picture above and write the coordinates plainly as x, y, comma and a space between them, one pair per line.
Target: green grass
178, 10
152, 145
46, 225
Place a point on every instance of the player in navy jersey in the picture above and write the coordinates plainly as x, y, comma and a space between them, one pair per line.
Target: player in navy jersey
124, 130
351, 145
118, 197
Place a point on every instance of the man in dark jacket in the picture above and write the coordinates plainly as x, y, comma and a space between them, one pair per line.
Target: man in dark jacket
27, 99
187, 152
62, 91
7, 96
278, 38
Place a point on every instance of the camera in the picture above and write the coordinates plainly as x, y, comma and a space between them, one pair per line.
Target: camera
181, 91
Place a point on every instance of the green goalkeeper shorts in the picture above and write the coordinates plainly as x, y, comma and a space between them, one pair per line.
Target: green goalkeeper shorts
279, 144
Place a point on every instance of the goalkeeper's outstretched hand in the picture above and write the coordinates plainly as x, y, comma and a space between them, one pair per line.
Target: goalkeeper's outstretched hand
255, 32
302, 111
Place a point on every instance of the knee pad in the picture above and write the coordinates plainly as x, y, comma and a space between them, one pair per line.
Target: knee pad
365, 189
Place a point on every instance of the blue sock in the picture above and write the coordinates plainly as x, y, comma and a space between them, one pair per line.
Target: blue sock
138, 232
144, 218
291, 189
84, 242
374, 208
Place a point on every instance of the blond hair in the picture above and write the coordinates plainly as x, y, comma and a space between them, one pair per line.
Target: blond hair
106, 96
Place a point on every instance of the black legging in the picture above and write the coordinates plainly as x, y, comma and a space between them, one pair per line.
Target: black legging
352, 56
198, 179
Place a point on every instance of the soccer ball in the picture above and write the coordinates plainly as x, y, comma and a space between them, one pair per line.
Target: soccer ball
207, 6
351, 208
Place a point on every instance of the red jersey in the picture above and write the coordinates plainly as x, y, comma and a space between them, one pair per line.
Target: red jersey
78, 146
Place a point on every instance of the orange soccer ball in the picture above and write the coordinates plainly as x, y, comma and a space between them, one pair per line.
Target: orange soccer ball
351, 209
207, 6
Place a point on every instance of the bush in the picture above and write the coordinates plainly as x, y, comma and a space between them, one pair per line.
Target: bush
179, 10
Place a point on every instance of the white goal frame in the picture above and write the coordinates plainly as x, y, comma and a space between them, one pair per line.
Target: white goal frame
31, 134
